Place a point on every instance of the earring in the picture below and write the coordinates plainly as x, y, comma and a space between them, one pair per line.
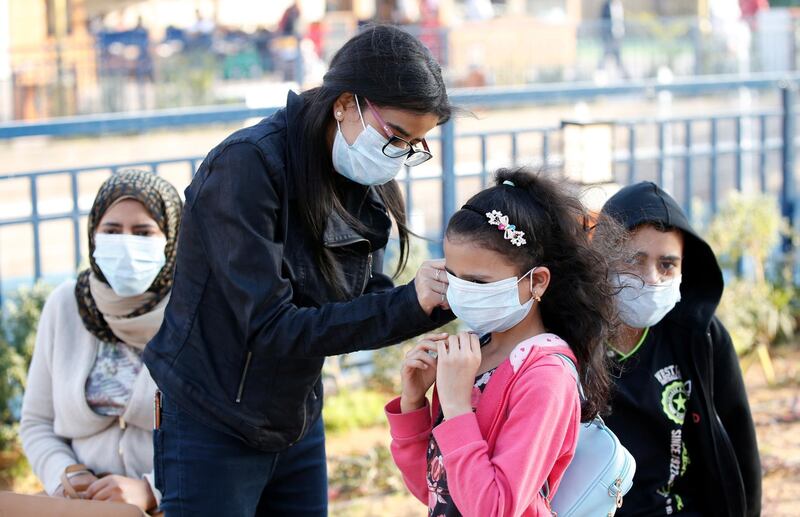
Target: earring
536, 296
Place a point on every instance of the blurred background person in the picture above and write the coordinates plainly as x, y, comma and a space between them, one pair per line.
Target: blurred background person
612, 18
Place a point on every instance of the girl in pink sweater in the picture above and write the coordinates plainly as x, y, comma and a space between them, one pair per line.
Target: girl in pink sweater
503, 420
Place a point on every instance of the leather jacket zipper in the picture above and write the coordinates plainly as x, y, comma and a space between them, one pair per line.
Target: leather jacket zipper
244, 376
346, 242
350, 242
305, 421
305, 412
368, 276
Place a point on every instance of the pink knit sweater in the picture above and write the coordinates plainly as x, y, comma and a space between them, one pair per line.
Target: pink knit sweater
523, 432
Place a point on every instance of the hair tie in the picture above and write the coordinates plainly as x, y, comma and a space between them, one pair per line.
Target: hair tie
509, 183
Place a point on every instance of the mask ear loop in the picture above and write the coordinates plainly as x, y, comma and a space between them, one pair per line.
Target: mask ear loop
532, 296
530, 273
358, 106
360, 115
536, 298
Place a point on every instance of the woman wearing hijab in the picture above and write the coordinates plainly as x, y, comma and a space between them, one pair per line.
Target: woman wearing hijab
87, 411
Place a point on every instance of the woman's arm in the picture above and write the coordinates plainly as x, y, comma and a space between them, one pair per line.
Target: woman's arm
543, 414
243, 244
48, 453
411, 433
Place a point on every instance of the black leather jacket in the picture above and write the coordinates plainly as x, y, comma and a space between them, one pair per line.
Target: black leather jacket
250, 318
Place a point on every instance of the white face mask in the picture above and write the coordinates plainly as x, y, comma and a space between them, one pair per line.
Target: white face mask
130, 263
364, 161
643, 305
487, 308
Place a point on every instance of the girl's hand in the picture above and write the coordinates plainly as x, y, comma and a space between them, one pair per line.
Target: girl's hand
458, 363
431, 285
122, 489
418, 372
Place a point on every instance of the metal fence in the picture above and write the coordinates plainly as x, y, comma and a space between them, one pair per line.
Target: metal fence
700, 159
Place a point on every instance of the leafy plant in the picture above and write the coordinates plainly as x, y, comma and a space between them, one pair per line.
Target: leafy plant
755, 310
755, 313
747, 226
18, 322
351, 409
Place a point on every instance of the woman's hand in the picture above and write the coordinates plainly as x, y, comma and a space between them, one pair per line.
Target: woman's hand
458, 363
431, 284
122, 489
80, 482
418, 372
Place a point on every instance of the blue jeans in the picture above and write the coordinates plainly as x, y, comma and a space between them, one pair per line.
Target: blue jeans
202, 471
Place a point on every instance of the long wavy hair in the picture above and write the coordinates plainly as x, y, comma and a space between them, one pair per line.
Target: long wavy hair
578, 305
392, 69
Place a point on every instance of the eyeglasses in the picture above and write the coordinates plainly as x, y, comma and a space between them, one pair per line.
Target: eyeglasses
397, 147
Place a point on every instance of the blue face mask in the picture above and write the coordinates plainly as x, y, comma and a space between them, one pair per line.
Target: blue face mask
643, 305
364, 161
487, 308
130, 263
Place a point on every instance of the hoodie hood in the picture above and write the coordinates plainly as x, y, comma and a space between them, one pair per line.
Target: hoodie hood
702, 283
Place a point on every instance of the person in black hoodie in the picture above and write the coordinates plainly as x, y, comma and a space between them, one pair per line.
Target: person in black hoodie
679, 403
280, 264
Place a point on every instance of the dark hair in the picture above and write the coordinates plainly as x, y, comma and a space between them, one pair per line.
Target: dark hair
578, 304
391, 68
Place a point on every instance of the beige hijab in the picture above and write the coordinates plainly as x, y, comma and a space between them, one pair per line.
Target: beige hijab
137, 330
133, 320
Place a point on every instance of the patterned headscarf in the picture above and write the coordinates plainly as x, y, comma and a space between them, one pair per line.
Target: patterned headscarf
165, 205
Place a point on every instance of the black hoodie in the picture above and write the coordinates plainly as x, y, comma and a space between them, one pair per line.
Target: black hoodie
725, 476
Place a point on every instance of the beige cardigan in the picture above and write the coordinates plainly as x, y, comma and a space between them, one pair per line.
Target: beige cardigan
58, 427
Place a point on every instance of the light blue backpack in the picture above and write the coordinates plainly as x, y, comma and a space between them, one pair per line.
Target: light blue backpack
600, 474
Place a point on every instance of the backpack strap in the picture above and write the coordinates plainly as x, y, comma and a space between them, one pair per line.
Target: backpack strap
545, 491
566, 359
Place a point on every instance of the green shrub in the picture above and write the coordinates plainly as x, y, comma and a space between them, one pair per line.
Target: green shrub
351, 409
18, 322
23, 312
757, 310
747, 226
756, 313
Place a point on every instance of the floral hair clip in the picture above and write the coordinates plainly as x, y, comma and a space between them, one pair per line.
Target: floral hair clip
496, 218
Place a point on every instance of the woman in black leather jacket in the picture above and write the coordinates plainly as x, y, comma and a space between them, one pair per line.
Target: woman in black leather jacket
280, 264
